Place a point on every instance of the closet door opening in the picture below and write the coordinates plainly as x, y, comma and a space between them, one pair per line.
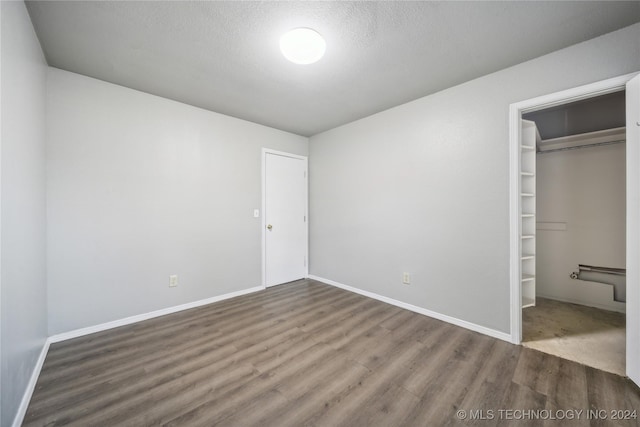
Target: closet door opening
577, 295
582, 272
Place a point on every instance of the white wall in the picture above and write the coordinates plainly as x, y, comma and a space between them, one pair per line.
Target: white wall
23, 278
585, 190
139, 188
424, 187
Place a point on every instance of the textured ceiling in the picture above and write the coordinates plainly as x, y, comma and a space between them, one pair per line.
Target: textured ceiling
224, 56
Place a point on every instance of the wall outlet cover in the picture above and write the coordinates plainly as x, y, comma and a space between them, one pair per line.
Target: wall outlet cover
406, 278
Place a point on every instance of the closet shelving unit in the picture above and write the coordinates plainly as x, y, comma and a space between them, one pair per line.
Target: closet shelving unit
529, 140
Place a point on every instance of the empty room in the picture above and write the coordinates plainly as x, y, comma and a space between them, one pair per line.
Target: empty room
332, 213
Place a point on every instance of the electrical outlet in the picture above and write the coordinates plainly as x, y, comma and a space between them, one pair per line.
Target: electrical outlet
173, 280
406, 278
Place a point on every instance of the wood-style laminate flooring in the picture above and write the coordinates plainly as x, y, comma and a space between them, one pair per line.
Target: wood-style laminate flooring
308, 354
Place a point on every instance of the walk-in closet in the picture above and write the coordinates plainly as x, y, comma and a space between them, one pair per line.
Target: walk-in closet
573, 213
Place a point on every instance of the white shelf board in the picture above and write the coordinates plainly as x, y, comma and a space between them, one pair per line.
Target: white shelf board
530, 138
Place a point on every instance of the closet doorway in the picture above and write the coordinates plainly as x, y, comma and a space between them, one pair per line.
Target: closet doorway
551, 229
577, 309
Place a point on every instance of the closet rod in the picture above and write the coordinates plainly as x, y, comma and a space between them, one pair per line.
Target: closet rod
597, 144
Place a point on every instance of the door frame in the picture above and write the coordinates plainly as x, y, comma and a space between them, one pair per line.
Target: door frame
263, 216
515, 115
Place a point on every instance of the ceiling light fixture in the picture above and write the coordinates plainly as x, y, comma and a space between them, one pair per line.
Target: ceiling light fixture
302, 46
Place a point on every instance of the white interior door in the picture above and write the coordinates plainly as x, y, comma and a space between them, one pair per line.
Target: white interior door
285, 218
633, 230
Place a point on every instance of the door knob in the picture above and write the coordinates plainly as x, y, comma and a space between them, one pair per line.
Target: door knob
269, 227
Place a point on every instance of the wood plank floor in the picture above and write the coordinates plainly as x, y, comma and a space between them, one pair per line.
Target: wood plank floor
308, 354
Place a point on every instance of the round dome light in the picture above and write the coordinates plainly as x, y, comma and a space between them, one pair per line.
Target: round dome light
302, 46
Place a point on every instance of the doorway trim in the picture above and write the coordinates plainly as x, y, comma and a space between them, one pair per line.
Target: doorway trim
516, 110
263, 208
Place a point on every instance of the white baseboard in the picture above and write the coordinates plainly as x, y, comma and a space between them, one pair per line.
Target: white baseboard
454, 321
31, 385
140, 317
